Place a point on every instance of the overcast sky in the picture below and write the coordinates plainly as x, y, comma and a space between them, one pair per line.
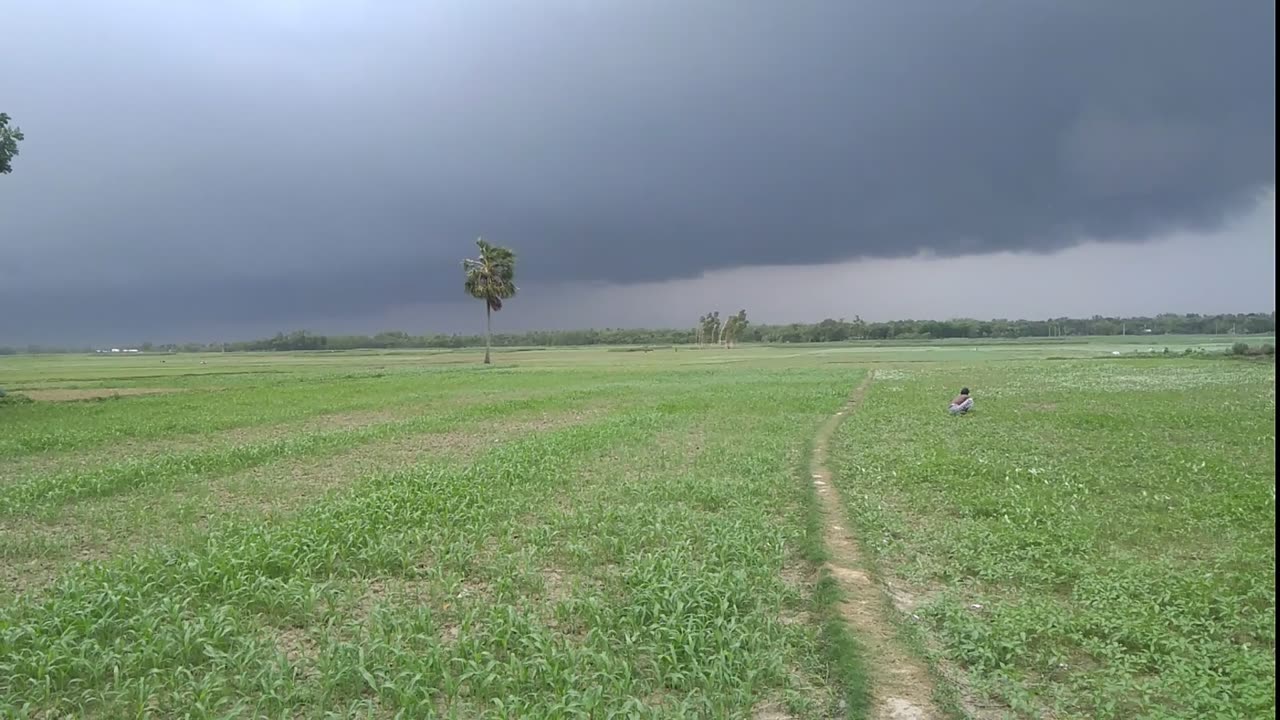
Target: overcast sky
213, 170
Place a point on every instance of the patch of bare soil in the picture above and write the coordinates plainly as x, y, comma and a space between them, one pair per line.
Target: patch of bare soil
556, 586
74, 394
20, 577
394, 590
298, 647
902, 688
771, 711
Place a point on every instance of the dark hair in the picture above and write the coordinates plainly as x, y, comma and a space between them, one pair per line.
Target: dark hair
964, 391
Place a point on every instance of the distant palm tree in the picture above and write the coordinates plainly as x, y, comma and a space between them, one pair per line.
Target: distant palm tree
490, 277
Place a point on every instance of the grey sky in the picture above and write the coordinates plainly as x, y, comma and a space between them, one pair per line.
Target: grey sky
226, 169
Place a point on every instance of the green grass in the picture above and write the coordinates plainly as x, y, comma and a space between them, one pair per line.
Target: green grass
644, 559
585, 533
1096, 540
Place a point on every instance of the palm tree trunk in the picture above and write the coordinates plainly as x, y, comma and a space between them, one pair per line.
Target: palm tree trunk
488, 331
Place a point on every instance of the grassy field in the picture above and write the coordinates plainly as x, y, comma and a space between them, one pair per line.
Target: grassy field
1097, 540
622, 533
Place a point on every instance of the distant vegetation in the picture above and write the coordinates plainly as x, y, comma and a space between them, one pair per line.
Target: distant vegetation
710, 331
1247, 349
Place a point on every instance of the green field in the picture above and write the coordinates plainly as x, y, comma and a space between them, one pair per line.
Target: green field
634, 533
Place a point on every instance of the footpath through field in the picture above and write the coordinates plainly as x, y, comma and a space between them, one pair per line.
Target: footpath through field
901, 687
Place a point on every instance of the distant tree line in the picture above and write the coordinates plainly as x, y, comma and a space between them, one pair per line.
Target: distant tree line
711, 330
830, 330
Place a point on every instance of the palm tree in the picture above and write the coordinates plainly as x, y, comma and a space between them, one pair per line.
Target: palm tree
490, 277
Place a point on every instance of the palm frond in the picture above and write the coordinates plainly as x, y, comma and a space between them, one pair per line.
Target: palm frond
491, 275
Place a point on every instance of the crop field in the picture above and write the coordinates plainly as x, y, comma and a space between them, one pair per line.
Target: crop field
1096, 541
637, 533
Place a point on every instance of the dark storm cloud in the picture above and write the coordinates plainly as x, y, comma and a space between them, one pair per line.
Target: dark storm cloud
242, 162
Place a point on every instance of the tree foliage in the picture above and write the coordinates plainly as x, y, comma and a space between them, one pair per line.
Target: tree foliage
490, 276
9, 139
733, 328
709, 327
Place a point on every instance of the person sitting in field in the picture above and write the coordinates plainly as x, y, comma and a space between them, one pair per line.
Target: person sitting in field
962, 404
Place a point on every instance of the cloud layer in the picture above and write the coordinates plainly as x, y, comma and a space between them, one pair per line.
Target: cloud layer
244, 161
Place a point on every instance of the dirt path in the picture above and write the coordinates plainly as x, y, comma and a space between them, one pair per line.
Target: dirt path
901, 686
